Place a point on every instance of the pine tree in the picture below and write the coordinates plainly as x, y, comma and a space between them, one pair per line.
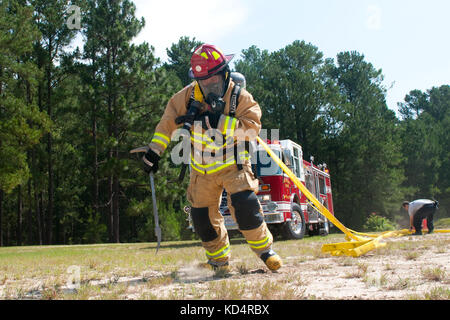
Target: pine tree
21, 123
288, 82
425, 136
368, 174
51, 19
126, 93
180, 58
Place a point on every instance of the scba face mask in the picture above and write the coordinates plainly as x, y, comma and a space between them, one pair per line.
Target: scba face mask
213, 85
213, 89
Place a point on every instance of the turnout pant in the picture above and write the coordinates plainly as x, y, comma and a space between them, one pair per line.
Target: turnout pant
426, 212
204, 193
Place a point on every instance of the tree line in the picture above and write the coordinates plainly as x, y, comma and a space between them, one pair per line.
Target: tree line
69, 117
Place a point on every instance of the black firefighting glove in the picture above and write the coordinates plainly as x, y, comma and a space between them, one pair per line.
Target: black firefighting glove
189, 117
151, 160
209, 119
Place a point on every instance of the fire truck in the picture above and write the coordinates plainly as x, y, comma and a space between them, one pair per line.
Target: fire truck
286, 210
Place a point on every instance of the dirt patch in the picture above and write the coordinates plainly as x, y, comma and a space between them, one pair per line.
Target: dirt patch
408, 268
411, 267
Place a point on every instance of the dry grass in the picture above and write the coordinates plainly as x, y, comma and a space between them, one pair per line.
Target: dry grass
104, 271
377, 281
400, 284
134, 271
359, 272
434, 274
437, 293
412, 255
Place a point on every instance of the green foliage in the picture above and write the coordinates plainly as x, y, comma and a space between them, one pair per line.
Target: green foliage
368, 158
171, 222
69, 117
180, 58
21, 123
288, 81
96, 232
425, 140
338, 113
375, 223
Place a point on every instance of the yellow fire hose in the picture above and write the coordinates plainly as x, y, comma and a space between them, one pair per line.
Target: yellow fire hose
358, 243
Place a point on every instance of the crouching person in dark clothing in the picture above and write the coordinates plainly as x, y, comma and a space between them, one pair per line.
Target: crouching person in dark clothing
419, 210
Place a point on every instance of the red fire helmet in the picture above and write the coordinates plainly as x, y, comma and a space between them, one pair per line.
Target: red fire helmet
207, 60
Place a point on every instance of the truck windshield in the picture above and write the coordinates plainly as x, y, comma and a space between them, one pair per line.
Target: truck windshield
265, 166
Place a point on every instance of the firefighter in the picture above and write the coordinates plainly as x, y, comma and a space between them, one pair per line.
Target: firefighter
419, 210
222, 116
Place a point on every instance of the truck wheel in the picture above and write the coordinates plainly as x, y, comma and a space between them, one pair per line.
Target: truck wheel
295, 229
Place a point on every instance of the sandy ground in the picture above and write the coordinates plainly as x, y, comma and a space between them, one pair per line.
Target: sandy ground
375, 276
410, 267
414, 271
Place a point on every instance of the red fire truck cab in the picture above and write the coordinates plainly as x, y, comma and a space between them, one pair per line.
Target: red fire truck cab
285, 208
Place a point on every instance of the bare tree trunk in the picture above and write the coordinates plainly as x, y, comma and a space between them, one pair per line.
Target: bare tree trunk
116, 210
57, 231
111, 210
1, 191
37, 210
29, 155
94, 140
49, 230
19, 215
116, 176
30, 216
38, 194
1, 214
95, 166
110, 155
42, 218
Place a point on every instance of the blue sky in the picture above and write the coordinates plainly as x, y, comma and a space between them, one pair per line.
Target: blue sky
408, 40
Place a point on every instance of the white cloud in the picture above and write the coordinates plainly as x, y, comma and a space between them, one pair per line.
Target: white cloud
167, 21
